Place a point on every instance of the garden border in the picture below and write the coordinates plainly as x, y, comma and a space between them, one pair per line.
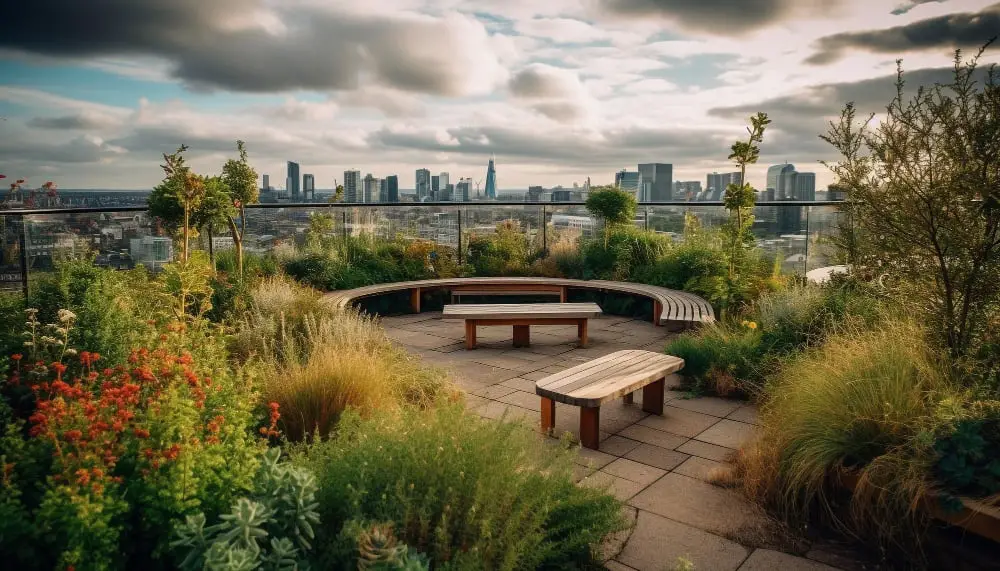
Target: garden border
669, 306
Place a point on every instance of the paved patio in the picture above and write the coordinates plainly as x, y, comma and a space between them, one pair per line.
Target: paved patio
660, 466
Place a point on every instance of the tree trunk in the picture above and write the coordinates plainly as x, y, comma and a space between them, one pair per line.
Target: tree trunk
211, 247
237, 245
184, 246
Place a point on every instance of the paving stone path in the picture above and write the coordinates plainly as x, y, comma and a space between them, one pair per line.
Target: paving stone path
660, 466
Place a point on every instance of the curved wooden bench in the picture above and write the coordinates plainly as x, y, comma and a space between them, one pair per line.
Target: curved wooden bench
668, 305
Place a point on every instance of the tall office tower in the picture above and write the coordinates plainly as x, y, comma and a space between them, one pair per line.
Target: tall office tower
266, 183
805, 186
462, 190
435, 187
630, 181
776, 181
423, 184
491, 179
443, 181
449, 192
308, 187
535, 193
292, 181
352, 186
383, 190
657, 181
391, 189
371, 189
719, 182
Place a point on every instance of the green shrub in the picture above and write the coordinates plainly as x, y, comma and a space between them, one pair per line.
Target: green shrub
723, 359
612, 206
254, 265
507, 252
622, 253
697, 266
348, 262
272, 529
967, 463
469, 493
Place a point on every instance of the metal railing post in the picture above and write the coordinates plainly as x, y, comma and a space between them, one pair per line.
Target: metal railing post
806, 261
23, 247
545, 233
343, 226
460, 213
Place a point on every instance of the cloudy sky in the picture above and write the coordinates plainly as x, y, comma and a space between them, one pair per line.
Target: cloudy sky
93, 92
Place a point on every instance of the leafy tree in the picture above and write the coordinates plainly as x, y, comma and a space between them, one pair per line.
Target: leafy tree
739, 199
924, 196
612, 206
215, 211
241, 182
178, 196
338, 195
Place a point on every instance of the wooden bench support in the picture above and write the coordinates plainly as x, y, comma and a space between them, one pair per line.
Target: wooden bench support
657, 312
581, 332
652, 397
629, 398
522, 335
470, 333
415, 300
590, 421
562, 294
548, 415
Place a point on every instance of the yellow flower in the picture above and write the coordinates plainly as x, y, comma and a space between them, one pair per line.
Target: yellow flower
745, 323
752, 325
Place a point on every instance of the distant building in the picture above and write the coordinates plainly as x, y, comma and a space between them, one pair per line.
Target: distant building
629, 181
266, 184
562, 195
372, 189
352, 186
391, 189
716, 183
443, 182
423, 184
491, 179
686, 190
776, 180
152, 251
449, 192
435, 187
805, 186
836, 192
462, 190
292, 181
534, 194
308, 187
657, 181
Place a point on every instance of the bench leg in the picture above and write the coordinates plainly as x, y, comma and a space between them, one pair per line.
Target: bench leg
657, 312
522, 335
415, 300
548, 414
629, 398
562, 294
590, 420
470, 333
652, 397
581, 332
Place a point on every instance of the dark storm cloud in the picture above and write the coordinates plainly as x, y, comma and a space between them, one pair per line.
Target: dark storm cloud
717, 16
906, 7
78, 150
617, 148
962, 30
319, 49
81, 122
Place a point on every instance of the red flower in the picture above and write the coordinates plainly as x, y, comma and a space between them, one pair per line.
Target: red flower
20, 181
16, 356
142, 433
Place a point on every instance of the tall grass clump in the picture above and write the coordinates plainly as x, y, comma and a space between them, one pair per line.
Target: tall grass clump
317, 360
859, 408
468, 493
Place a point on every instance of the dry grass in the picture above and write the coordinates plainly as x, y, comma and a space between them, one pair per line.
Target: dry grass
856, 408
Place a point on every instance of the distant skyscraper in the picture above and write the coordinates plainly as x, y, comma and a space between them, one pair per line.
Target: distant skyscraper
776, 179
292, 181
352, 186
686, 190
561, 195
535, 193
805, 186
435, 187
462, 190
443, 180
266, 183
391, 193
308, 187
371, 189
657, 181
630, 182
491, 179
718, 182
423, 184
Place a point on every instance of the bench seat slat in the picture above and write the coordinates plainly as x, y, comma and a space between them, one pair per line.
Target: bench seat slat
598, 381
521, 310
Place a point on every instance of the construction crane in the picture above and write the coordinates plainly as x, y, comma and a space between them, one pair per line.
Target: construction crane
478, 182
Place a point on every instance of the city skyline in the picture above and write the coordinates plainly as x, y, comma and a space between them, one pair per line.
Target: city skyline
558, 91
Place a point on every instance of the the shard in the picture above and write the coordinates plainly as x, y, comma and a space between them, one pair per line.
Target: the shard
491, 180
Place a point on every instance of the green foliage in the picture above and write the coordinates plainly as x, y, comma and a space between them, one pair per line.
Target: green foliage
467, 492
378, 550
348, 262
272, 530
695, 265
723, 359
923, 200
739, 199
613, 206
966, 462
176, 200
507, 252
622, 254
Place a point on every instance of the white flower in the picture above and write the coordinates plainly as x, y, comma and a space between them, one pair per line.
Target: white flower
66, 315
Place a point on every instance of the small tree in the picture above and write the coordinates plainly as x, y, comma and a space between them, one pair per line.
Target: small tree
215, 211
614, 207
241, 182
924, 197
338, 194
739, 199
178, 196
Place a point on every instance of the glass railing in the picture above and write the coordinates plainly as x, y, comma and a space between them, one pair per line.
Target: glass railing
798, 233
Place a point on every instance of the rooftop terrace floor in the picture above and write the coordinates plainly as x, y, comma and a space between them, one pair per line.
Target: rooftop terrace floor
660, 466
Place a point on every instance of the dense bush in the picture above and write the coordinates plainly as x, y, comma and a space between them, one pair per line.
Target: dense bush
966, 462
622, 253
469, 493
506, 252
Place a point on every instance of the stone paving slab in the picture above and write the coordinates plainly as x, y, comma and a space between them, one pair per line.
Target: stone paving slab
679, 421
714, 406
706, 450
746, 413
727, 433
699, 468
635, 471
653, 436
657, 542
769, 560
619, 487
658, 457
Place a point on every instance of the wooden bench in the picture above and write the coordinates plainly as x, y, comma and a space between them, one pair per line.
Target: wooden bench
591, 384
457, 291
670, 307
521, 317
